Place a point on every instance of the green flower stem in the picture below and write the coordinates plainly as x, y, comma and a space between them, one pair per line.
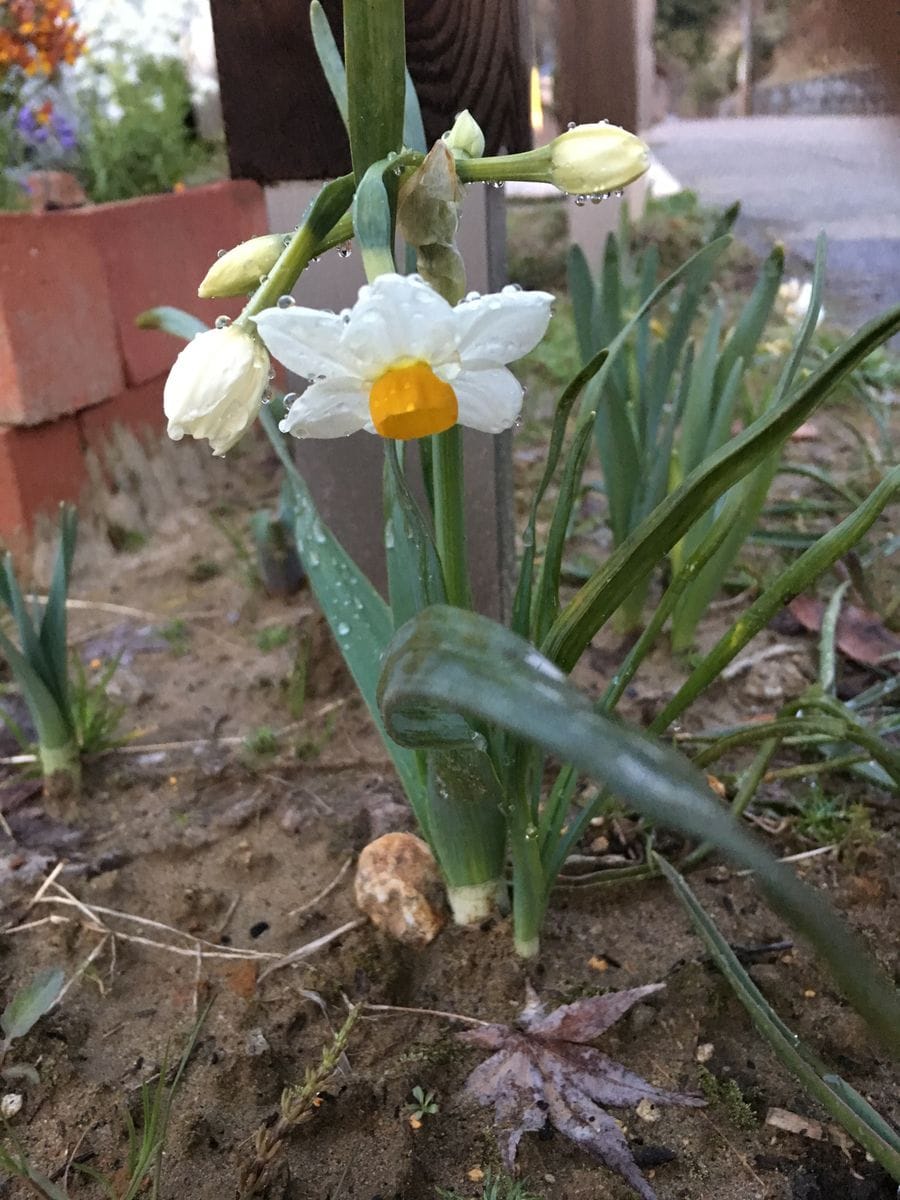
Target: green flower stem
529, 887
449, 515
327, 213
531, 167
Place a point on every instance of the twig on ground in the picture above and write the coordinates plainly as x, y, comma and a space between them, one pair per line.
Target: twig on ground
326, 891
424, 1012
301, 952
97, 918
779, 650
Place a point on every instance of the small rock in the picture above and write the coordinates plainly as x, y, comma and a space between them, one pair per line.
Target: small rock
791, 1122
11, 1105
292, 820
399, 888
704, 1052
255, 1043
648, 1111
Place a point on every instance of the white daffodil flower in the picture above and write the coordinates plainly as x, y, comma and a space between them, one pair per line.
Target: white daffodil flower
403, 363
216, 386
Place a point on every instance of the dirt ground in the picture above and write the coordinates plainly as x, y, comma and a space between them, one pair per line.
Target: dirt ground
223, 842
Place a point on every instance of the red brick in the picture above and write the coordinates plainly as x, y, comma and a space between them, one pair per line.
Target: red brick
158, 248
40, 466
58, 345
137, 408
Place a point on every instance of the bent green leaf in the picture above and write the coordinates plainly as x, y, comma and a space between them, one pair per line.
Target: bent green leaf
463, 663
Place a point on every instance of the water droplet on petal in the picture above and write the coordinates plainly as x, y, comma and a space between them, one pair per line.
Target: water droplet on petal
580, 201
286, 301
571, 125
263, 278
219, 253
345, 251
222, 322
343, 629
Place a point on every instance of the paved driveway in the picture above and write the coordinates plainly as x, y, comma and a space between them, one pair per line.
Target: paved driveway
796, 176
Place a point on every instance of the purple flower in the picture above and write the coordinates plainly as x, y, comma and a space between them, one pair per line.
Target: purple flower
65, 132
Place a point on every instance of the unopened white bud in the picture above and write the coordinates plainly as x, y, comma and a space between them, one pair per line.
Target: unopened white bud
592, 159
216, 386
465, 139
241, 269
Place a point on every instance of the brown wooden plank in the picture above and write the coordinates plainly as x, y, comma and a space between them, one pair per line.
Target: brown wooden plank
281, 121
597, 75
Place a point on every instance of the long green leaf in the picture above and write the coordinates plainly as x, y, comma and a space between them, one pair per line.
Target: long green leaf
53, 635
581, 289
522, 601
599, 598
358, 617
840, 1100
329, 58
798, 576
752, 321
464, 663
30, 1003
52, 724
415, 578
375, 58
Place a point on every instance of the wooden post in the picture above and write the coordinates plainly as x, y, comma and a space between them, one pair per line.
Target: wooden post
745, 62
281, 121
605, 64
283, 129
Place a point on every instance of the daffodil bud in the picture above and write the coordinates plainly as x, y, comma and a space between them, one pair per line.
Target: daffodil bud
216, 386
465, 139
591, 159
241, 269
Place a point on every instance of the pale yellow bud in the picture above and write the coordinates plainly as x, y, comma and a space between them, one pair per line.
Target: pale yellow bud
216, 386
465, 139
592, 159
242, 269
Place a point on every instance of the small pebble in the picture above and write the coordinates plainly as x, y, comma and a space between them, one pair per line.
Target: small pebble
255, 1043
11, 1105
399, 888
704, 1052
647, 1111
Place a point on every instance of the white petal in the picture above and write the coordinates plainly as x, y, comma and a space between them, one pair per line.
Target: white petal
330, 408
399, 316
494, 330
307, 341
488, 400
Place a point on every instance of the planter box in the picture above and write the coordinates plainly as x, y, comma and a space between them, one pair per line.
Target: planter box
72, 362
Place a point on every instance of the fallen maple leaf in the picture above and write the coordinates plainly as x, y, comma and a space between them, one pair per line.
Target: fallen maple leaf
543, 1073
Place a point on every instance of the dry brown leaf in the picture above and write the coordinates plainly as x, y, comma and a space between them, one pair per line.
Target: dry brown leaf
861, 635
542, 1073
